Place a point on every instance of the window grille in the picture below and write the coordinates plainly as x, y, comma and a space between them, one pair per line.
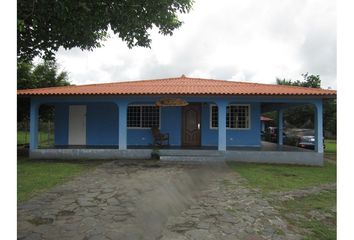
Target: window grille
143, 116
237, 116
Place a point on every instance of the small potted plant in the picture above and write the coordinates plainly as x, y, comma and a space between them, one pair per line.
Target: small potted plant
155, 153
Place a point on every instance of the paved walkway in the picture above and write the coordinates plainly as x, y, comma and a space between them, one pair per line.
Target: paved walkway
146, 200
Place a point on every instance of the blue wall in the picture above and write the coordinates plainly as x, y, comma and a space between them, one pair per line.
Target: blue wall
102, 124
102, 127
170, 123
61, 124
247, 137
171, 120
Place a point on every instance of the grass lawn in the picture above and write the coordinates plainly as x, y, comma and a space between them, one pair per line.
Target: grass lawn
34, 177
331, 149
331, 146
319, 220
268, 177
23, 138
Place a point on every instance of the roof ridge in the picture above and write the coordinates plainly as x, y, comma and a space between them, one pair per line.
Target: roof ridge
292, 86
138, 81
179, 85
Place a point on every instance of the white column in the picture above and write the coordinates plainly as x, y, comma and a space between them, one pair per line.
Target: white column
280, 126
122, 109
33, 125
222, 125
319, 127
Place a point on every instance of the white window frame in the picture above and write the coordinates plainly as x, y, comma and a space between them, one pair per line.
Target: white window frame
228, 128
141, 112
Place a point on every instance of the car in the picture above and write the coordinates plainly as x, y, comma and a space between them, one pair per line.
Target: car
271, 134
307, 142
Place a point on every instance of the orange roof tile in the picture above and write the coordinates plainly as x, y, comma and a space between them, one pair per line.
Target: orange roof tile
178, 86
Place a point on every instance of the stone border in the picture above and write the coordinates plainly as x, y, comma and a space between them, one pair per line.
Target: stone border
278, 157
299, 158
90, 154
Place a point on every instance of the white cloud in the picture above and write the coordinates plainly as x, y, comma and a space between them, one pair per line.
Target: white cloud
235, 40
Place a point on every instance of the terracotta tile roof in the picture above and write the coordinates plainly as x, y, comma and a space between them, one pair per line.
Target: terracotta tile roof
178, 86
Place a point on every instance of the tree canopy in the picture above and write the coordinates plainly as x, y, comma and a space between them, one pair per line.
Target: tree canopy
303, 116
310, 81
44, 74
43, 26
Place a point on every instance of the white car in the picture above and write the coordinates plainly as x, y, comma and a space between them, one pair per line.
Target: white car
307, 142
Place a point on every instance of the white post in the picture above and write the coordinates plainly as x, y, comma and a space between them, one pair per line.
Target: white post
34, 125
122, 109
280, 126
319, 127
222, 125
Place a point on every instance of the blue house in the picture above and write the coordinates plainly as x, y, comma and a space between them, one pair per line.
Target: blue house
203, 117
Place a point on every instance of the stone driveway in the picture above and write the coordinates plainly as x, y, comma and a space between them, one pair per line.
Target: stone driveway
149, 200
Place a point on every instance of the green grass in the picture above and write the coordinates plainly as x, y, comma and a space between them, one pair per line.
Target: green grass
43, 140
321, 203
331, 146
22, 137
331, 149
34, 177
268, 177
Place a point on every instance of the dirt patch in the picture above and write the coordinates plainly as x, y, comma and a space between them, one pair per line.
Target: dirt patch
40, 221
65, 213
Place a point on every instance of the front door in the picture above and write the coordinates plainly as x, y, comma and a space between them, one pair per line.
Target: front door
77, 125
191, 125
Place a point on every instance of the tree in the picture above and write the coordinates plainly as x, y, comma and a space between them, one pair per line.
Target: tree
310, 81
330, 116
24, 75
302, 115
43, 26
45, 74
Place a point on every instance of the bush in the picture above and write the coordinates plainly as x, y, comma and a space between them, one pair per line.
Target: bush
292, 141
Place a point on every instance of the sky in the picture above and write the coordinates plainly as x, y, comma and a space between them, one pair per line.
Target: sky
237, 40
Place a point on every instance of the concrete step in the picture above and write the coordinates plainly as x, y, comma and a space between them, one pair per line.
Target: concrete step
192, 159
190, 152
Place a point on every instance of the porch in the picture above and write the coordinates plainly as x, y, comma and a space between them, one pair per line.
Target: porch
266, 153
265, 146
226, 129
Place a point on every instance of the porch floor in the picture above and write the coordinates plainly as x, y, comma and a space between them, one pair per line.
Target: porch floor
265, 146
269, 146
266, 153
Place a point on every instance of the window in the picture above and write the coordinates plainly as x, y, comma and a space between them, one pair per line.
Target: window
134, 116
143, 116
214, 116
237, 116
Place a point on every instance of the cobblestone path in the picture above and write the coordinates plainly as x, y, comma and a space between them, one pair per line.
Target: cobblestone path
148, 200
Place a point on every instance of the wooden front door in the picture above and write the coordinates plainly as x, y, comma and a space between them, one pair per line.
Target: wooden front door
191, 125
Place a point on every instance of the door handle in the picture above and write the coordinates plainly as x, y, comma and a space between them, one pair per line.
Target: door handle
198, 126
